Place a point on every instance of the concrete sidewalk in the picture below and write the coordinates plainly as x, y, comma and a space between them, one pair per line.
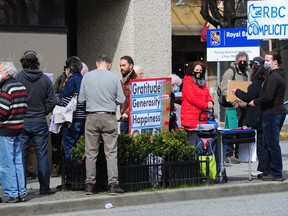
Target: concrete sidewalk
68, 201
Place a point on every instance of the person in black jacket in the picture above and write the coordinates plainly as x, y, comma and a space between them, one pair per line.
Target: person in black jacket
252, 116
271, 101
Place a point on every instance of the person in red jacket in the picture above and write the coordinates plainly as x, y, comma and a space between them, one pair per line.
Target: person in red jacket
195, 95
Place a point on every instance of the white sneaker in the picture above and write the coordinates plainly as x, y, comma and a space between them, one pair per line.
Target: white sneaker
256, 173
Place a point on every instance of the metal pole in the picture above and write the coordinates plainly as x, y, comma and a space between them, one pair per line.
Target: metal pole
218, 82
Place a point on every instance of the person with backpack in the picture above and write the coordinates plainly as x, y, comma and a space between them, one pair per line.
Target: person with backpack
238, 70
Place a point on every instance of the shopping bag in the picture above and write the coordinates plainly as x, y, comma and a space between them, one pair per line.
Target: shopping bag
212, 166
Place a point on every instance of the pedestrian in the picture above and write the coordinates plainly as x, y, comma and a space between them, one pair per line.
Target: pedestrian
271, 101
174, 119
13, 106
72, 131
253, 114
128, 73
195, 95
56, 138
139, 71
238, 70
101, 90
40, 103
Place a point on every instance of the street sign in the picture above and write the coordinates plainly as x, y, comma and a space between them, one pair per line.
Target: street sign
267, 19
224, 44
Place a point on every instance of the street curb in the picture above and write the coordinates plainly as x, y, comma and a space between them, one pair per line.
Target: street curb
142, 198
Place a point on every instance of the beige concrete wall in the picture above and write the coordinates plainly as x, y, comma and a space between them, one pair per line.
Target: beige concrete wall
141, 29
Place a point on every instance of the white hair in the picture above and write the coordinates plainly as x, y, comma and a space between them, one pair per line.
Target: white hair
9, 67
138, 69
175, 79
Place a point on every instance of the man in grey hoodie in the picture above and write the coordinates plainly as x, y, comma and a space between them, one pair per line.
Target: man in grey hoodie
41, 101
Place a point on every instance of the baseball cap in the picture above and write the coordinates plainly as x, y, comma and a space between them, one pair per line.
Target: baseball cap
258, 60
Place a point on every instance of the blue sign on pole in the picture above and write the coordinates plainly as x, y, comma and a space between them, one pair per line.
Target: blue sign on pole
224, 44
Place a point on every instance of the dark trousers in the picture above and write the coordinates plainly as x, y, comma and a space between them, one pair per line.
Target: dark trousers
272, 124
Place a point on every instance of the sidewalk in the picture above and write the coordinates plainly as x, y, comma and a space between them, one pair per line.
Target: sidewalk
68, 201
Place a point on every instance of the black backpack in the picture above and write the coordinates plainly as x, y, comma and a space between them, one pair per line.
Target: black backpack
221, 98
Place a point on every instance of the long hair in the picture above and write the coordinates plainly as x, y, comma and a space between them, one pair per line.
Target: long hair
257, 71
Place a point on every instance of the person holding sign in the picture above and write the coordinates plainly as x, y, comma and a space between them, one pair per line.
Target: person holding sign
253, 114
238, 70
195, 96
274, 113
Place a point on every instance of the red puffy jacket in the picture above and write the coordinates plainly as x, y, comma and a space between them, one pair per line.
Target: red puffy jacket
194, 100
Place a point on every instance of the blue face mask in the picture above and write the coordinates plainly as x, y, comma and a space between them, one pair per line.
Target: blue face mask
267, 65
176, 89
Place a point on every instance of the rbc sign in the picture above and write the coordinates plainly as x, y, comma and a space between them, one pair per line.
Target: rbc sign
267, 19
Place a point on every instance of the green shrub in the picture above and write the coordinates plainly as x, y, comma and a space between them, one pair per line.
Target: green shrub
78, 151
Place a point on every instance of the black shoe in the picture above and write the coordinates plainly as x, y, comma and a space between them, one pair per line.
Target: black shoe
23, 197
7, 199
272, 178
67, 186
46, 192
115, 189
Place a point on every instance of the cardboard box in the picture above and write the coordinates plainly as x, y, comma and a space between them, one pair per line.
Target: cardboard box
233, 84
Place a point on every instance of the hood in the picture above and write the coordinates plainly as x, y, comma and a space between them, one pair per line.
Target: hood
32, 74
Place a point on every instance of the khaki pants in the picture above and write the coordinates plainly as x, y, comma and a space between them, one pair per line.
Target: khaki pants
104, 125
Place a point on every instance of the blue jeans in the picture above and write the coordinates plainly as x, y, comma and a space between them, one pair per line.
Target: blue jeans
38, 134
272, 124
124, 127
11, 166
71, 135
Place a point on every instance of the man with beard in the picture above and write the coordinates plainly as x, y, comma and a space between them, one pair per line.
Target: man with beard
128, 73
238, 70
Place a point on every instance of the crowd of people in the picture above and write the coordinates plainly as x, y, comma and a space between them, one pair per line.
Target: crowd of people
29, 96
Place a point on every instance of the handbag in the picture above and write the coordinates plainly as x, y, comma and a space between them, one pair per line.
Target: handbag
253, 117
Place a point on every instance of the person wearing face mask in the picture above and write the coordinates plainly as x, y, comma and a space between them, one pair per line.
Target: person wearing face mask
253, 113
238, 70
195, 95
271, 101
175, 121
128, 73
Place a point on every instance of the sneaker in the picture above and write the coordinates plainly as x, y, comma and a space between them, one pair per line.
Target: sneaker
56, 170
7, 199
256, 173
115, 189
272, 178
232, 160
89, 189
23, 197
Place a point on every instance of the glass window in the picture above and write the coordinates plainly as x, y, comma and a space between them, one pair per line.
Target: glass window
32, 12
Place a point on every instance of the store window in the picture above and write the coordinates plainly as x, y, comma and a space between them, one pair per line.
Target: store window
32, 13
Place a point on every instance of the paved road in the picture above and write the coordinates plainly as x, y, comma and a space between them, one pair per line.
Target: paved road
274, 204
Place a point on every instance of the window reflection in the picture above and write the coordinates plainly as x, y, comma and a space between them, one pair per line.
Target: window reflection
32, 12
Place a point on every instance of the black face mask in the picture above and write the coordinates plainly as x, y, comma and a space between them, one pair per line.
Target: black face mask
197, 75
242, 66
